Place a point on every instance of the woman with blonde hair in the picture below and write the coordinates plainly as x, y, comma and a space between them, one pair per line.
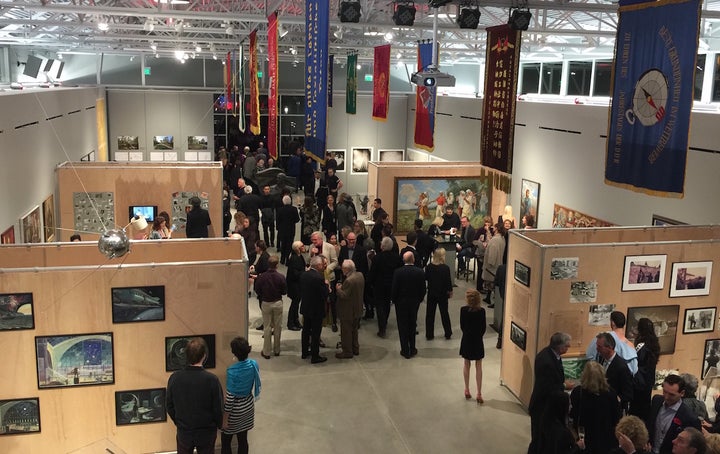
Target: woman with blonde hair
632, 436
595, 410
472, 348
434, 229
439, 291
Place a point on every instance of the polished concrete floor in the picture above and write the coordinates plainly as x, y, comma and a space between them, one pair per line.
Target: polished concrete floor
379, 402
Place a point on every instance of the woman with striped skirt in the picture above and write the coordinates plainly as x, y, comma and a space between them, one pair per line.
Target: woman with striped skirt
239, 409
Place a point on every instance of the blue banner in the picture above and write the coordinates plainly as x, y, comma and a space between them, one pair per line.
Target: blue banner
653, 81
317, 27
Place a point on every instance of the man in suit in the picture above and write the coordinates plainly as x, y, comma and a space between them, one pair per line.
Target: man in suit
408, 291
669, 415
690, 441
465, 247
549, 379
616, 369
424, 244
350, 309
320, 247
313, 294
287, 216
378, 212
622, 345
411, 240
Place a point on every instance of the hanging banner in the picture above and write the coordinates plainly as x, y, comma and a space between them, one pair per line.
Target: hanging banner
228, 79
351, 90
317, 28
381, 83
331, 74
502, 58
254, 88
425, 104
240, 78
272, 132
649, 121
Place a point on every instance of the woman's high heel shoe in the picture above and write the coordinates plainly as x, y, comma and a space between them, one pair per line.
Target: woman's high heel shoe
468, 396
480, 399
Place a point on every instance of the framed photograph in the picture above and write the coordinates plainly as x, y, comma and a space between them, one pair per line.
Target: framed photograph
19, 416
518, 336
74, 360
175, 351
644, 272
570, 218
701, 320
128, 143
662, 220
361, 156
391, 155
665, 321
711, 357
163, 143
417, 156
564, 268
339, 156
16, 311
140, 406
197, 143
427, 198
30, 224
138, 304
529, 199
48, 209
522, 273
599, 314
583, 291
690, 279
8, 236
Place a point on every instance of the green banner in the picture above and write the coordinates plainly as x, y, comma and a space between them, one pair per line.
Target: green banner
351, 92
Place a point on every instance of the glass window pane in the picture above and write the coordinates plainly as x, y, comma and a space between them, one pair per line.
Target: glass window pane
292, 105
530, 78
120, 70
79, 69
214, 73
551, 77
292, 124
579, 73
169, 71
603, 75
699, 76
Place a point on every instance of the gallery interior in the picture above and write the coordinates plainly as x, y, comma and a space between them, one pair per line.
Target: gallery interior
130, 115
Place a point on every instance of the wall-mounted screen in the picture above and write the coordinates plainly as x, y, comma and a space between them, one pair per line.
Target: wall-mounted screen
147, 211
32, 67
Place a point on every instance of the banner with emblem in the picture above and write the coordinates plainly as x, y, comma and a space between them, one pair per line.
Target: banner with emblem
254, 88
351, 91
381, 83
649, 121
502, 60
272, 132
317, 29
425, 103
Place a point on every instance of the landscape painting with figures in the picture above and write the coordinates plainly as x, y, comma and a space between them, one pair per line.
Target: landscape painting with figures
197, 143
74, 360
128, 143
16, 311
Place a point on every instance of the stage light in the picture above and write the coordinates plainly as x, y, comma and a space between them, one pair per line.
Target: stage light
350, 12
282, 31
338, 33
469, 17
520, 19
103, 26
404, 15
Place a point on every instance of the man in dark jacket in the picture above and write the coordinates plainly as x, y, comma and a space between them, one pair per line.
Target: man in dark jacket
198, 220
313, 294
268, 205
250, 205
669, 415
286, 216
408, 291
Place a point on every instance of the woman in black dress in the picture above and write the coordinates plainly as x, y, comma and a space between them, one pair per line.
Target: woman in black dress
472, 324
648, 352
439, 290
329, 217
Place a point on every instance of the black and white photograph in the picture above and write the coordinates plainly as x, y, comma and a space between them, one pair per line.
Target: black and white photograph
644, 272
701, 320
361, 157
391, 155
140, 406
138, 304
665, 321
16, 311
175, 351
518, 335
75, 360
599, 314
711, 357
690, 279
522, 273
583, 291
19, 416
564, 268
339, 156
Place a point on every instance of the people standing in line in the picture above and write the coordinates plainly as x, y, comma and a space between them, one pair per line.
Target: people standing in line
493, 258
287, 217
439, 291
314, 293
295, 268
239, 409
648, 353
382, 268
268, 205
408, 291
270, 286
617, 372
194, 402
472, 347
669, 415
198, 220
349, 309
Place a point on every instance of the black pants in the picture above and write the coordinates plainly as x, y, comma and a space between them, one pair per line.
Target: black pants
226, 440
268, 226
442, 304
284, 244
293, 318
406, 313
310, 338
382, 308
202, 440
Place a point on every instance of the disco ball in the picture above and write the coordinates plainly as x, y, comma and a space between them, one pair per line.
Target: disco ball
114, 243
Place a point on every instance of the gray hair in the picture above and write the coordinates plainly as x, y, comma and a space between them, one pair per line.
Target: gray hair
607, 339
696, 440
315, 261
691, 384
348, 265
297, 245
286, 200
247, 189
386, 244
559, 340
318, 233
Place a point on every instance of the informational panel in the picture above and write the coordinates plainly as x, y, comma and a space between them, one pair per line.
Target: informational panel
94, 212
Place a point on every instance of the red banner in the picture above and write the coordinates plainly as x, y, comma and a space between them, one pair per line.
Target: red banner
425, 103
254, 88
228, 80
502, 60
381, 83
272, 132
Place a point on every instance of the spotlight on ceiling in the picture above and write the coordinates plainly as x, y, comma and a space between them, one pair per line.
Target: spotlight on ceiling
103, 26
338, 33
469, 17
404, 15
350, 12
282, 31
520, 19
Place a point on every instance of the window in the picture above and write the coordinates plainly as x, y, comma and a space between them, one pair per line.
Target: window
551, 77
579, 75
530, 78
603, 78
699, 76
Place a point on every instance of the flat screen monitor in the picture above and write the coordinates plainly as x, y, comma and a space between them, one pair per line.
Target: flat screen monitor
32, 67
147, 211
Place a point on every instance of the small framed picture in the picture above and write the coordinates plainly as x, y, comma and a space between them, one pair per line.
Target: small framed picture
518, 335
140, 406
175, 351
644, 272
138, 304
701, 320
522, 273
16, 311
690, 279
19, 416
8, 236
662, 220
361, 157
712, 356
665, 321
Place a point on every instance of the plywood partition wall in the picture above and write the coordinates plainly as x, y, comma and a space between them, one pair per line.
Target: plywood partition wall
200, 298
137, 183
543, 307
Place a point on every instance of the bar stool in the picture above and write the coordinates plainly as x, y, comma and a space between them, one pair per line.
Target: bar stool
470, 267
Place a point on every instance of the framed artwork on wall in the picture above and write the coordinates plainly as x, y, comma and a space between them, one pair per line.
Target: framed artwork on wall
564, 268
522, 273
690, 279
16, 311
48, 209
8, 236
163, 143
583, 291
529, 199
138, 304
644, 272
175, 351
197, 142
128, 143
391, 155
518, 336
19, 416
361, 156
665, 321
658, 220
140, 406
30, 226
700, 320
569, 218
339, 156
711, 357
74, 360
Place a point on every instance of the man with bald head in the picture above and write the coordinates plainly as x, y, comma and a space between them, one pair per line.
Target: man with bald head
408, 291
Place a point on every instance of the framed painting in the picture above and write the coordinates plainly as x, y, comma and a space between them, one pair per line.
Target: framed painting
700, 320
644, 272
658, 220
30, 225
175, 351
8, 236
74, 360
711, 356
522, 273
138, 304
16, 311
19, 416
518, 336
569, 218
140, 406
427, 198
48, 209
529, 199
339, 156
391, 155
665, 322
128, 143
197, 142
163, 143
361, 157
690, 279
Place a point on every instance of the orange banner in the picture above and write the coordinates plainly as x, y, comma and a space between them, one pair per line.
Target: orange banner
272, 132
254, 88
381, 83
